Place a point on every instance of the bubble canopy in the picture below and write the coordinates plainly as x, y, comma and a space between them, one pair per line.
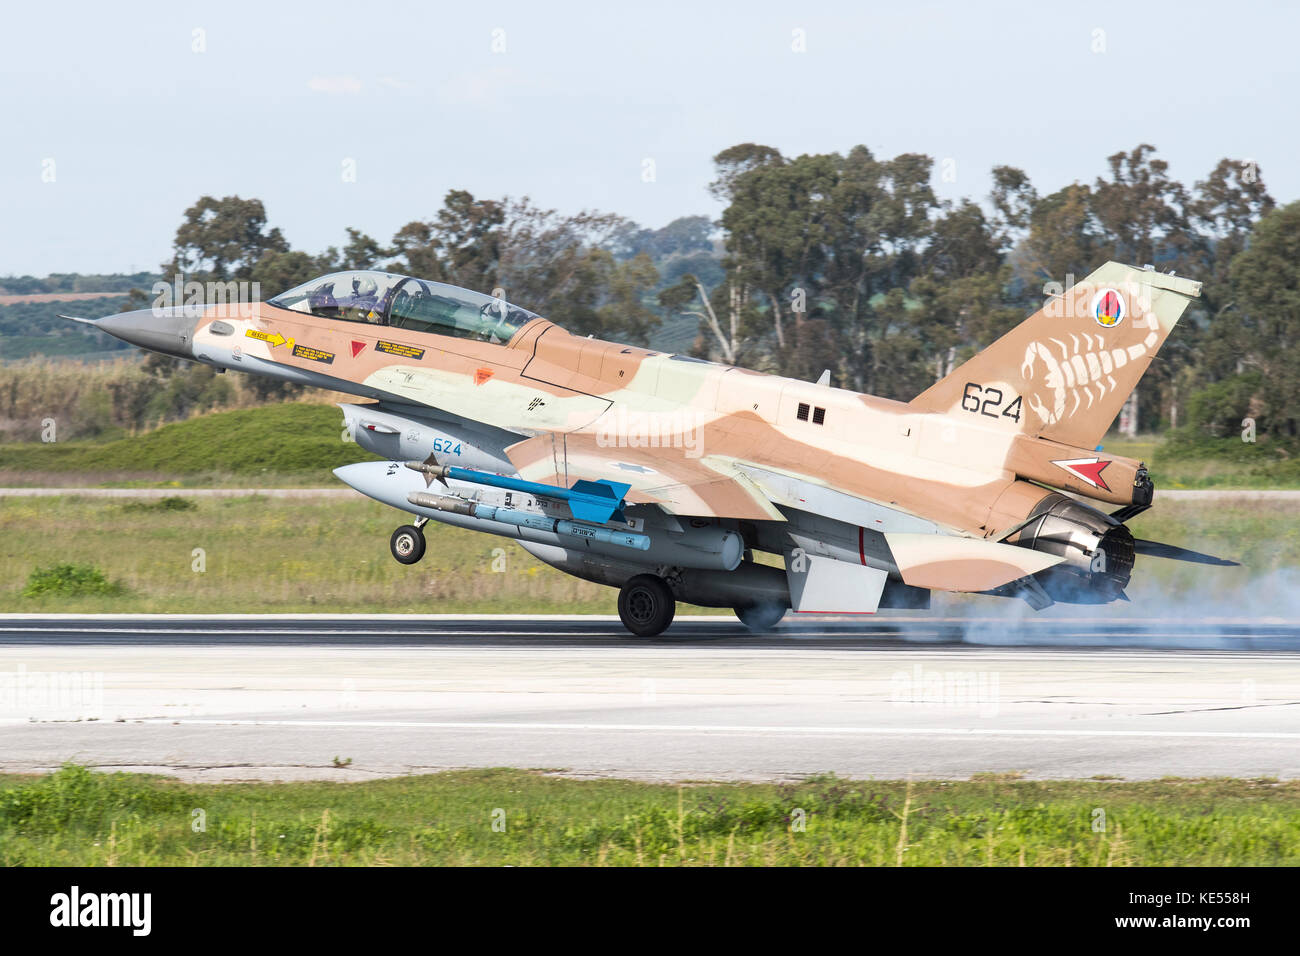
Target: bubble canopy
404, 302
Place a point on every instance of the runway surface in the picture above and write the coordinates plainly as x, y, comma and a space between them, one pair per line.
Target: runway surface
273, 697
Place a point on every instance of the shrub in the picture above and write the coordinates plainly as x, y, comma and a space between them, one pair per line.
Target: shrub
69, 580
169, 503
73, 797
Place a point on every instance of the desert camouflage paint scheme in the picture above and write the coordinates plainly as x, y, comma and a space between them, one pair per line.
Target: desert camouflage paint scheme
971, 486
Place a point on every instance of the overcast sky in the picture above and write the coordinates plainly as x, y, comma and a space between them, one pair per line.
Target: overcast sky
566, 102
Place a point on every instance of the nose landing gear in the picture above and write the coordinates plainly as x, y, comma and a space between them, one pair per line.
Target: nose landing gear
407, 542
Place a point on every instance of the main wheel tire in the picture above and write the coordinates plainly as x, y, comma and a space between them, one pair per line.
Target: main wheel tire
407, 544
760, 617
646, 605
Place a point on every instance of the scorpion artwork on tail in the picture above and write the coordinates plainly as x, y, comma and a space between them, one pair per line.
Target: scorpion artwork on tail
1085, 364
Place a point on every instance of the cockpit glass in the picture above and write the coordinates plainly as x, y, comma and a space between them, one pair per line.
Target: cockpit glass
351, 296
407, 303
424, 306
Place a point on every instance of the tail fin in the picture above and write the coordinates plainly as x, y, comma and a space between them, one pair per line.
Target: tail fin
1065, 372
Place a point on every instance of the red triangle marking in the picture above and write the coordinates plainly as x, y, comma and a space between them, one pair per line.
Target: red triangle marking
1091, 471
481, 375
357, 348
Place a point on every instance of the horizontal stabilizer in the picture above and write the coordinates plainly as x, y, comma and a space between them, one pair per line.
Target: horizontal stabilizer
950, 563
1128, 512
1155, 549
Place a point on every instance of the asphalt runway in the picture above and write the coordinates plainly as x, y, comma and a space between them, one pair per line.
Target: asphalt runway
268, 697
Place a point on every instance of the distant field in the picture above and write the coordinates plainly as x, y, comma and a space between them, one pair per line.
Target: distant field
289, 445
292, 555
1230, 463
533, 818
30, 326
1142, 448
54, 297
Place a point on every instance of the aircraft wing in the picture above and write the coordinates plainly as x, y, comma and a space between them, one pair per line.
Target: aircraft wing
709, 486
713, 487
705, 487
802, 494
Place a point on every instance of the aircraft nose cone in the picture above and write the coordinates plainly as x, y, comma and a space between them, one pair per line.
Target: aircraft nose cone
169, 331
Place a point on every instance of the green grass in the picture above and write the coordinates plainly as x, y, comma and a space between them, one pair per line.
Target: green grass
281, 445
269, 555
1261, 471
78, 818
294, 555
1177, 462
1142, 448
1263, 535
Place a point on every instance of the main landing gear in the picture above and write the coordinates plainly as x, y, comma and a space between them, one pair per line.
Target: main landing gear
761, 617
646, 605
407, 542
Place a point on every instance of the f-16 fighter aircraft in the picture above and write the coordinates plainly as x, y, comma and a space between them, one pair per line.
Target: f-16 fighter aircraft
663, 475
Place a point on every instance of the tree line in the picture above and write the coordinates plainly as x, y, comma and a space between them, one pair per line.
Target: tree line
852, 263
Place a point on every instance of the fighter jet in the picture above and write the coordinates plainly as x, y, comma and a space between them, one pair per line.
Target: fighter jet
667, 476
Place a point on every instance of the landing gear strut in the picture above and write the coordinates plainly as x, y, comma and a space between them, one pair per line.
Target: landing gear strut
407, 543
646, 605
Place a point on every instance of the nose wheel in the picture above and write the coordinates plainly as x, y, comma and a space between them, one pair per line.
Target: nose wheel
646, 605
407, 544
